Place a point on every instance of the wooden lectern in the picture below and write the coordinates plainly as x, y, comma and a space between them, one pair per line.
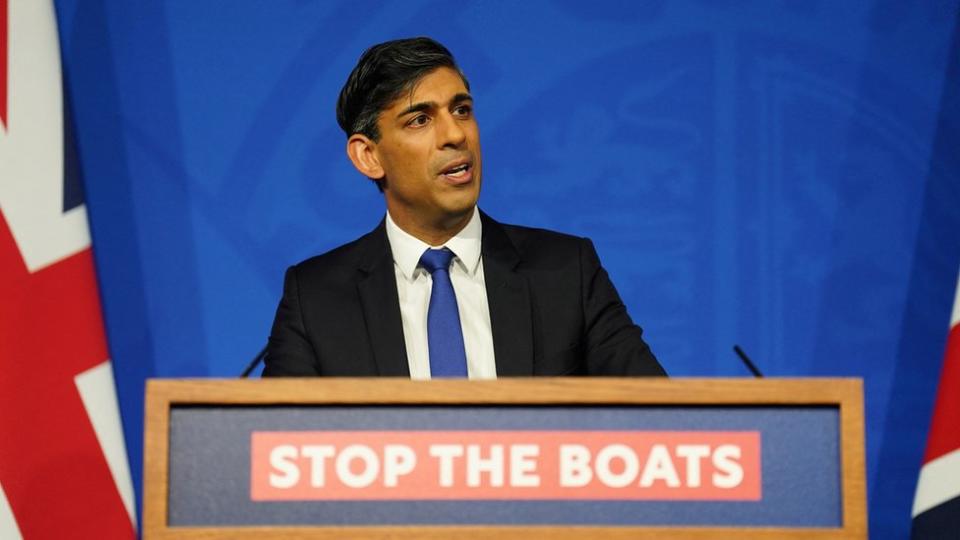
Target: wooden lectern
512, 458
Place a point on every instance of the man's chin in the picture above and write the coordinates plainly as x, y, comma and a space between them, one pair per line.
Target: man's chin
457, 213
460, 206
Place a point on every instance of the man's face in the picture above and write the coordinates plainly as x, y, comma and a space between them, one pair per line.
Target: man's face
429, 150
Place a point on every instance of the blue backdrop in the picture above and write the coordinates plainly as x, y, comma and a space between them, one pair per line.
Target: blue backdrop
779, 174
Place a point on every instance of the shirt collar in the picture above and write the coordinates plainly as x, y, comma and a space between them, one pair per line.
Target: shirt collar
407, 249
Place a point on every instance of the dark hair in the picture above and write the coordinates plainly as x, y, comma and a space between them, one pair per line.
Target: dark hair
382, 74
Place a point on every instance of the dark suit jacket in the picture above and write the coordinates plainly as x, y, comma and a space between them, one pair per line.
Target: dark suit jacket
553, 311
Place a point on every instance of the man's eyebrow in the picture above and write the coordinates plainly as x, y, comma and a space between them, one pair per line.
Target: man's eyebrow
417, 107
427, 105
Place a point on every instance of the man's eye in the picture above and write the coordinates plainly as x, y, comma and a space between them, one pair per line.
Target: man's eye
463, 110
419, 120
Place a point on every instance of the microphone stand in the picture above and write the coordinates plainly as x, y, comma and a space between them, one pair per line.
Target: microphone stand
746, 361
253, 364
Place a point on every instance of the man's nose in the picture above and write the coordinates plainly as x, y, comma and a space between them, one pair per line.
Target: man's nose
451, 133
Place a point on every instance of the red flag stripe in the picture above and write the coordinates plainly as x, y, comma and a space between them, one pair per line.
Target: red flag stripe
52, 468
945, 427
944, 434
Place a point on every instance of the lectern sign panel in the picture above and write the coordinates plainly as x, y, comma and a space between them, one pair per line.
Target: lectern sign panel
609, 458
499, 465
558, 464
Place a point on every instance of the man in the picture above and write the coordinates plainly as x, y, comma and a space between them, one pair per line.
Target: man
440, 289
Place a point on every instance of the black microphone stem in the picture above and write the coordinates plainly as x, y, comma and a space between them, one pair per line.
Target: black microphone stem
253, 363
746, 361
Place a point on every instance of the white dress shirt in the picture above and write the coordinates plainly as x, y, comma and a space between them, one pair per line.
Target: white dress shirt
414, 285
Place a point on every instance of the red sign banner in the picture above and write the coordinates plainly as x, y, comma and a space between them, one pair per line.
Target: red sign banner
498, 465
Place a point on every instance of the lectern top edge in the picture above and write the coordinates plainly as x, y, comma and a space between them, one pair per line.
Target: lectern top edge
527, 391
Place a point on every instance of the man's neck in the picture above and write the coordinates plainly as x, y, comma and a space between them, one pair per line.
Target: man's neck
433, 233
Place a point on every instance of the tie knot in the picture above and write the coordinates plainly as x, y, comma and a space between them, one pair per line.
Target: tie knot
436, 259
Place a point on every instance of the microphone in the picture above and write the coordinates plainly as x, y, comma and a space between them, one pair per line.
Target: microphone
746, 361
256, 360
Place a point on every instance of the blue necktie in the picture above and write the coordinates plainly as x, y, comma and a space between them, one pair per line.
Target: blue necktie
444, 335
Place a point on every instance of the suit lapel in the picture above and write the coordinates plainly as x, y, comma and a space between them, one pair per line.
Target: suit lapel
377, 287
508, 295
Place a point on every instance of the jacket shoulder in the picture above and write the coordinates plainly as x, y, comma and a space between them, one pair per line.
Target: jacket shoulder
344, 261
536, 245
524, 234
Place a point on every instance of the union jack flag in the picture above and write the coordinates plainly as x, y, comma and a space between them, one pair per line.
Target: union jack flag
63, 465
936, 506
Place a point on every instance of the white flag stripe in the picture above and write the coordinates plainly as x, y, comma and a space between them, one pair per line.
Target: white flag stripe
98, 394
939, 482
31, 147
955, 319
8, 525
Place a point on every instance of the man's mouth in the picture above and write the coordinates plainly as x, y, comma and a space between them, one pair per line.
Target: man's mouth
460, 173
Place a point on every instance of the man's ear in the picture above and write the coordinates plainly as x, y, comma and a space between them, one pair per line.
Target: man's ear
362, 153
